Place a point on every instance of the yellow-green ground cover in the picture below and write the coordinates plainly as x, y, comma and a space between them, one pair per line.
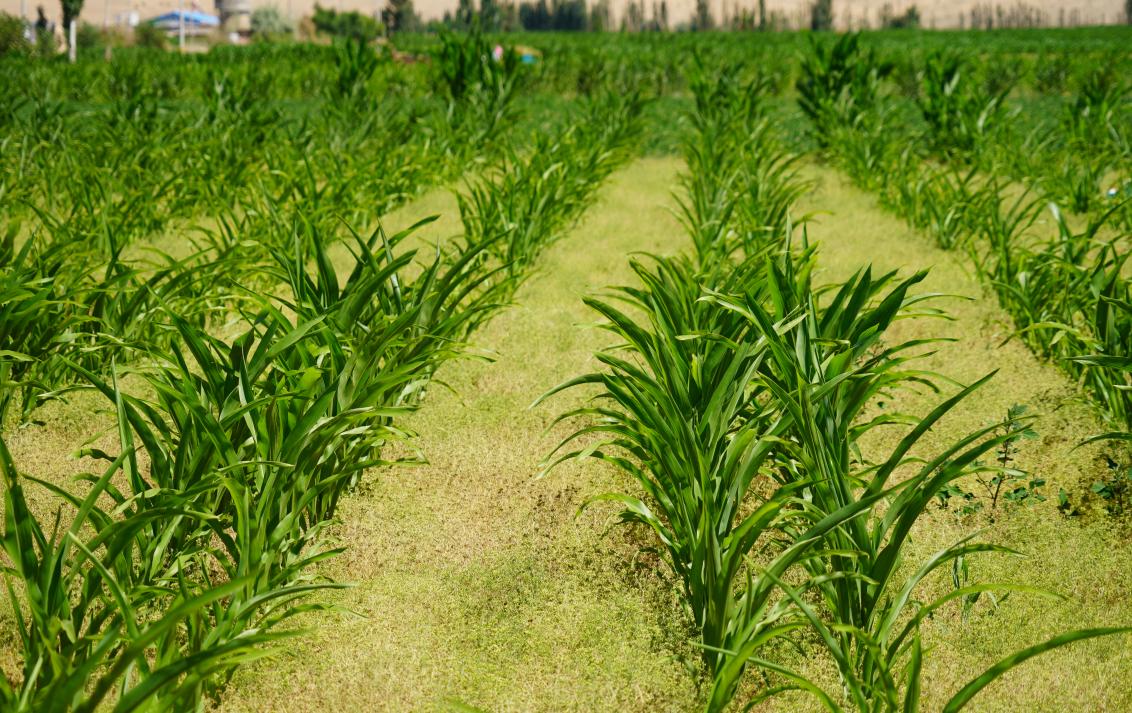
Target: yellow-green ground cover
477, 584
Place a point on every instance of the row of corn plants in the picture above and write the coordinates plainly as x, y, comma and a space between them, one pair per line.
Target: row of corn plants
195, 545
81, 253
143, 143
1067, 290
1073, 150
736, 401
1079, 155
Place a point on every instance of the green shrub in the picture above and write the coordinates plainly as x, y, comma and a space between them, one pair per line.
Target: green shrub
89, 37
269, 23
353, 25
146, 35
12, 37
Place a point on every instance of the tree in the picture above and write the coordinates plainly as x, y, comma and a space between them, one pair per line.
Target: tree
600, 16
510, 14
353, 25
268, 23
634, 19
399, 16
909, 19
465, 12
491, 16
821, 15
569, 15
535, 16
703, 19
71, 10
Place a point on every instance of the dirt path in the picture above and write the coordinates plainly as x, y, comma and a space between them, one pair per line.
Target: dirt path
475, 582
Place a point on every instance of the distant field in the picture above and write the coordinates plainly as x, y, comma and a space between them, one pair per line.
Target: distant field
939, 14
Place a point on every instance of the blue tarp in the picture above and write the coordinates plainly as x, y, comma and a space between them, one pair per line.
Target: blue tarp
192, 17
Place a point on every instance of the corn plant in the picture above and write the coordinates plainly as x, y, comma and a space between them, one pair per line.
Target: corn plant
113, 305
1068, 298
824, 371
683, 411
1077, 185
948, 204
527, 203
90, 640
35, 320
1091, 118
959, 117
255, 442
908, 672
726, 114
480, 90
427, 314
356, 63
741, 182
839, 84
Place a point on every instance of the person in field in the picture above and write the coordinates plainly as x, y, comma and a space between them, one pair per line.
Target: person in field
41, 23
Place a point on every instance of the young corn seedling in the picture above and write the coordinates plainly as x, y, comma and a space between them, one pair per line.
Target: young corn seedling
480, 90
1090, 119
255, 442
1110, 331
527, 204
432, 311
1001, 227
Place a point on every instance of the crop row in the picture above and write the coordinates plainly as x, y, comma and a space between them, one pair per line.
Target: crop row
252, 385
139, 157
1068, 288
735, 403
